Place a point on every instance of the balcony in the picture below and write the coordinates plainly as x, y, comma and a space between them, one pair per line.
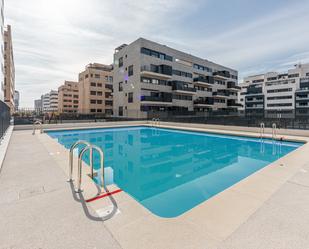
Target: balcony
222, 75
158, 71
232, 86
221, 94
204, 81
233, 104
254, 90
201, 102
181, 87
162, 99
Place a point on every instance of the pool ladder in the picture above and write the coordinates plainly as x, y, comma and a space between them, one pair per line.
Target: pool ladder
155, 121
34, 126
87, 147
274, 131
262, 130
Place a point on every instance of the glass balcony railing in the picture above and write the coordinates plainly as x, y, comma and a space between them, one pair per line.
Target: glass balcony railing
178, 86
206, 79
204, 101
167, 98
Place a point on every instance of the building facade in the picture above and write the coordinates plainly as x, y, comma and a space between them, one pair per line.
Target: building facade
9, 69
49, 101
53, 101
277, 95
95, 89
38, 105
16, 100
150, 78
2, 51
68, 97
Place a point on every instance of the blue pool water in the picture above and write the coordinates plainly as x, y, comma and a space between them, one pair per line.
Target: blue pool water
171, 171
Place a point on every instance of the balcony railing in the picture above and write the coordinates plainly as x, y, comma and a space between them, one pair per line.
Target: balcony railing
204, 101
205, 79
233, 103
159, 69
221, 94
232, 84
253, 90
167, 98
225, 74
178, 86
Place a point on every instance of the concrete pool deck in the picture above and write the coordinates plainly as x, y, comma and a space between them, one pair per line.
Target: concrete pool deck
39, 210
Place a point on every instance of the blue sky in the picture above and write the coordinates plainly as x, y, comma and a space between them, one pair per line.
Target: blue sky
54, 40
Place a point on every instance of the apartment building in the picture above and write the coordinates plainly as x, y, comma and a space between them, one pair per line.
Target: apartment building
16, 100
38, 105
150, 78
49, 101
53, 101
9, 69
276, 94
2, 51
68, 96
95, 89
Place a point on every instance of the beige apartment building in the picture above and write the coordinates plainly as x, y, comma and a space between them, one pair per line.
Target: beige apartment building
9, 69
95, 89
68, 95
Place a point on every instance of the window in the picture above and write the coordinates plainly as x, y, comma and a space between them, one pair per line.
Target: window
156, 54
110, 79
203, 68
99, 85
92, 101
99, 102
280, 90
181, 73
120, 61
97, 76
130, 98
279, 105
92, 110
99, 93
92, 92
295, 75
106, 78
108, 102
108, 95
75, 96
279, 97
120, 111
93, 84
120, 87
130, 73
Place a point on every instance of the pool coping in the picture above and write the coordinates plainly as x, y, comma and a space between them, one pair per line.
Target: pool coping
216, 218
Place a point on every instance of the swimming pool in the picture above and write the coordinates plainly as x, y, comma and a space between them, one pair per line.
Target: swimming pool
171, 171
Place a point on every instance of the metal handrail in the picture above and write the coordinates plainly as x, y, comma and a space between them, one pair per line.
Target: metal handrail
158, 121
89, 147
37, 123
71, 157
262, 130
274, 131
153, 121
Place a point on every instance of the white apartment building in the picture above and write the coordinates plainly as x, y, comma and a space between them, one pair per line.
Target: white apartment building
50, 101
276, 94
150, 78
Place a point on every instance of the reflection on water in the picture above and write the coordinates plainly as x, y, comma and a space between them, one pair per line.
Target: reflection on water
172, 171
